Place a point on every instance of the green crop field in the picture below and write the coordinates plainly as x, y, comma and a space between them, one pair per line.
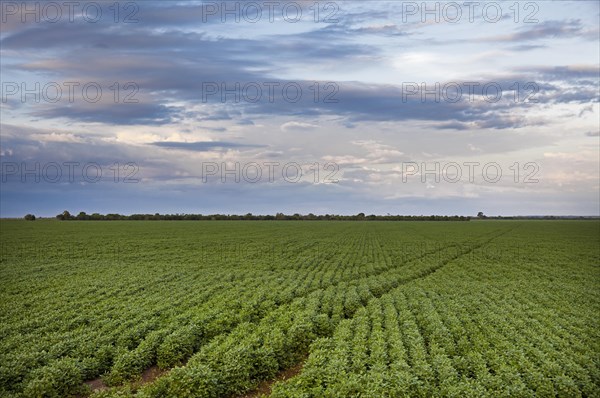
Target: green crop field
362, 309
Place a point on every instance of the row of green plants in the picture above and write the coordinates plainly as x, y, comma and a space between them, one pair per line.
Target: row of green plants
235, 362
496, 328
89, 318
379, 314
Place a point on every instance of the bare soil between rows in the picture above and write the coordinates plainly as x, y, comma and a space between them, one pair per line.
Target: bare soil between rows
264, 388
148, 376
154, 372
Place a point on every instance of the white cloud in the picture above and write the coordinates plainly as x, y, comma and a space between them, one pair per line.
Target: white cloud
297, 126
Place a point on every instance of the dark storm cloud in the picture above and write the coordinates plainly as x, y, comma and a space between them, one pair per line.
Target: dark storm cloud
145, 38
170, 65
359, 102
114, 114
356, 102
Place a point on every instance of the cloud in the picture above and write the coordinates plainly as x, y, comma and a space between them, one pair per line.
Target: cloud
371, 125
569, 73
527, 47
40, 147
162, 58
345, 160
555, 29
115, 114
59, 137
353, 101
205, 146
297, 126
378, 152
6, 152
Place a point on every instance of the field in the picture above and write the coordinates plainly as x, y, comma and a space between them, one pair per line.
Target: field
360, 309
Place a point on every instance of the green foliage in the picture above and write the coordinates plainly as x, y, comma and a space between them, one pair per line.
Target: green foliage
179, 346
60, 379
485, 309
249, 216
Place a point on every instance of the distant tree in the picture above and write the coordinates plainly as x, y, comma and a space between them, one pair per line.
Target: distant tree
65, 215
96, 216
29, 217
249, 216
480, 215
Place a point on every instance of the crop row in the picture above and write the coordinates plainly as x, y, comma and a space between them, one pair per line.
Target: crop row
478, 329
236, 361
120, 330
388, 311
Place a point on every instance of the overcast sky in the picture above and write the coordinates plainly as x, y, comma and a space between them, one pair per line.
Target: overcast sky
323, 107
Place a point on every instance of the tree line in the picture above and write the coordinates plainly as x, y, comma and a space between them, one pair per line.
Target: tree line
65, 215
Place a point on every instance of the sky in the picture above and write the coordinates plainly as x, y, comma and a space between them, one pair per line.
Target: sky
380, 107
